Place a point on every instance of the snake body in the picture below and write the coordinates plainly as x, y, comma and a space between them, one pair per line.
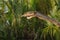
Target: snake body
41, 16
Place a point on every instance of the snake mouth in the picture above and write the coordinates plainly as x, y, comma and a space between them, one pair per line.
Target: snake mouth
28, 17
28, 14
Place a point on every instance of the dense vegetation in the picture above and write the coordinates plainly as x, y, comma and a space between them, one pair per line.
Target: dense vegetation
15, 27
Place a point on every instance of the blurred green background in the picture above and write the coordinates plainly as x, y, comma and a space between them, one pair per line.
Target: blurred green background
14, 27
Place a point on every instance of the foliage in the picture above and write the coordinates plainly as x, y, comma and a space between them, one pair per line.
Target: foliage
13, 27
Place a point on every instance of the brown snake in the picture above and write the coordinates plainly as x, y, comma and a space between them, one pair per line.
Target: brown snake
32, 14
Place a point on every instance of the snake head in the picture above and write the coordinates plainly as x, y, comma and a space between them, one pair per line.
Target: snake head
29, 14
